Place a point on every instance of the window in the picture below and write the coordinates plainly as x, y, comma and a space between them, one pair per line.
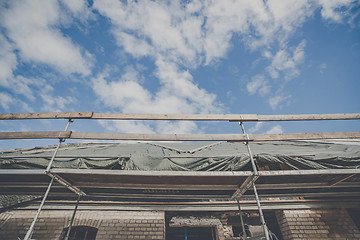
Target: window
80, 233
190, 233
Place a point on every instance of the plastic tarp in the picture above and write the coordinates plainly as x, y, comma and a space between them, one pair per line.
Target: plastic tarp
188, 156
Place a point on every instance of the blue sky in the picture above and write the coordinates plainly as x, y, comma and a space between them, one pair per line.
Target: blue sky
250, 56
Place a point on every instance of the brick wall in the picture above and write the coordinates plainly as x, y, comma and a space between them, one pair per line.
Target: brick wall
110, 224
317, 224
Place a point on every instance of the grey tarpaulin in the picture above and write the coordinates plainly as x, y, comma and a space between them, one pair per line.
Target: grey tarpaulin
186, 156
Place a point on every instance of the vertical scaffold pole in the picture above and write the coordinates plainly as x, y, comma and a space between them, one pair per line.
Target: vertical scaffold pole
255, 171
241, 219
31, 229
72, 218
57, 147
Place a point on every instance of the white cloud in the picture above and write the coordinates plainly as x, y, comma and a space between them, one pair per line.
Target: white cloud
34, 89
125, 93
180, 84
25, 86
76, 6
177, 127
127, 126
334, 9
179, 36
177, 94
31, 34
256, 128
52, 103
276, 21
5, 100
8, 61
258, 84
32, 26
200, 32
275, 130
137, 47
161, 28
287, 63
172, 37
276, 101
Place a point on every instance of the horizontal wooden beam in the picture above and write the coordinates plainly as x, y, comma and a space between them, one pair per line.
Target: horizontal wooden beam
303, 136
28, 156
309, 117
180, 117
35, 135
198, 206
178, 137
165, 186
54, 115
109, 172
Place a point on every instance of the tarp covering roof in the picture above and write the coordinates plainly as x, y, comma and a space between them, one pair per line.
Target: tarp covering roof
187, 156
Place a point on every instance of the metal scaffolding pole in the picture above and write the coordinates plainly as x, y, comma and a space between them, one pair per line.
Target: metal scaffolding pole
241, 219
72, 218
255, 171
31, 229
57, 147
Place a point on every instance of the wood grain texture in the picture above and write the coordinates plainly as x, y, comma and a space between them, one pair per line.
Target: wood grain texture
180, 117
54, 115
178, 137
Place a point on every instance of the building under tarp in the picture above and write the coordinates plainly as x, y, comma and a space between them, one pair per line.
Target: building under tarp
243, 187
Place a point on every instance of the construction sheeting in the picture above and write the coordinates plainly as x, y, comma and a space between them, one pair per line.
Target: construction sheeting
188, 156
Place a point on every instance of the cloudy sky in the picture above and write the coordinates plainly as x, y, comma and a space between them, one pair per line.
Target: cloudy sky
229, 56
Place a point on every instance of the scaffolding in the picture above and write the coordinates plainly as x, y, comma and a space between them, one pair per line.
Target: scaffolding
238, 183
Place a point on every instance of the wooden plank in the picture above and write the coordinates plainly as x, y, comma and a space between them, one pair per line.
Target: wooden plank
158, 137
188, 206
111, 185
100, 203
64, 156
52, 115
309, 172
35, 135
159, 196
309, 117
22, 172
66, 184
179, 137
244, 186
303, 136
310, 185
334, 183
137, 173
305, 194
191, 173
180, 117
163, 186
